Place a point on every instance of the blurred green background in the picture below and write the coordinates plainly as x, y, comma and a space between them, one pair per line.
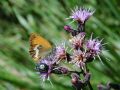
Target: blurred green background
19, 18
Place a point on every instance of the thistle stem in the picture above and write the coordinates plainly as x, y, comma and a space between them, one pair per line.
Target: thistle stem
81, 27
90, 86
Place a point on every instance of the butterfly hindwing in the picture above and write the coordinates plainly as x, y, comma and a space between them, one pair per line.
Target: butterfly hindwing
38, 46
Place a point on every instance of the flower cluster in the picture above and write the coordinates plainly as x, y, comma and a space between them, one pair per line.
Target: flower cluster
80, 52
84, 50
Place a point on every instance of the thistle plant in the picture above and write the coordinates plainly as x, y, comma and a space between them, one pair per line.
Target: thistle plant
79, 54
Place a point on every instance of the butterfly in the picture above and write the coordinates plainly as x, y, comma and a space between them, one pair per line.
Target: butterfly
39, 46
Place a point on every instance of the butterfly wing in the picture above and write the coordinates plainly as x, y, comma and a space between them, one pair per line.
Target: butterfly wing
38, 46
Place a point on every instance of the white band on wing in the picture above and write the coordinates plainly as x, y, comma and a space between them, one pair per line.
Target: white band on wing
36, 49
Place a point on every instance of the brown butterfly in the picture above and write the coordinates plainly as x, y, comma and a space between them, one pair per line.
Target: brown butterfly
38, 46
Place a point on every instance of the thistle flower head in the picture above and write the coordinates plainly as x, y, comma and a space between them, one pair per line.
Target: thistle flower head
77, 55
81, 14
78, 58
76, 82
60, 52
67, 28
77, 41
75, 78
94, 45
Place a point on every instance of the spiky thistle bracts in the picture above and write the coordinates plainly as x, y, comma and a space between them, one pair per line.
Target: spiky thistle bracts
81, 14
60, 52
81, 51
77, 41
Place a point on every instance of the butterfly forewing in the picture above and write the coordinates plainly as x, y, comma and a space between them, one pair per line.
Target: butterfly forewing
38, 46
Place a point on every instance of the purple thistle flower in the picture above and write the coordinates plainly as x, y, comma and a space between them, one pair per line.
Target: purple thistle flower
77, 41
60, 52
93, 48
81, 14
78, 58
94, 45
